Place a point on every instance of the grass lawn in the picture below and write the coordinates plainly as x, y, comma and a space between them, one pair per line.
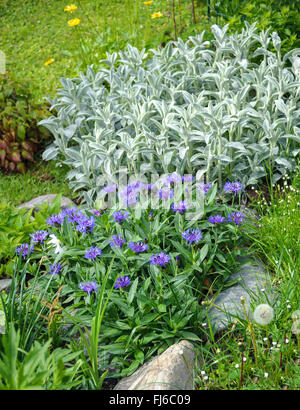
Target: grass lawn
34, 32
43, 178
228, 360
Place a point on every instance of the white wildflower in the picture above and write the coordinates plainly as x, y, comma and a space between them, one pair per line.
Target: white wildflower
55, 241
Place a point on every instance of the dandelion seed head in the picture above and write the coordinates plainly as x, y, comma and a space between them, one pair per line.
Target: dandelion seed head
263, 314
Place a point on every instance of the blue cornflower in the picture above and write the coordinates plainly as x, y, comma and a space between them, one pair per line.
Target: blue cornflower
233, 187
187, 178
54, 268
192, 236
74, 215
217, 219
55, 220
39, 236
180, 207
138, 247
138, 185
166, 193
204, 188
117, 241
128, 195
119, 216
121, 282
236, 217
151, 187
172, 178
85, 224
88, 287
160, 259
92, 253
110, 188
24, 250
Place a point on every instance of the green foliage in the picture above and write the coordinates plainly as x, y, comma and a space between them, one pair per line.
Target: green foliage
278, 239
15, 226
90, 339
193, 106
161, 305
37, 369
228, 359
279, 15
20, 136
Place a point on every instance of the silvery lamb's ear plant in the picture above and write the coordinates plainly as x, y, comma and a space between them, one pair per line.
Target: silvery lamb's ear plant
189, 107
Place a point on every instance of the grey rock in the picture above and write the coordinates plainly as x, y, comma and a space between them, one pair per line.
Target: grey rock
250, 213
252, 278
172, 370
4, 284
49, 198
2, 322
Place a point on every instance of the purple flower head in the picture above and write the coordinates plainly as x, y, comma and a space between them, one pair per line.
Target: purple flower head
24, 250
217, 219
119, 216
39, 236
92, 253
151, 187
54, 268
55, 220
138, 247
187, 178
180, 207
85, 224
110, 188
192, 236
121, 282
128, 195
96, 212
160, 259
138, 185
88, 287
236, 217
166, 193
73, 215
233, 187
172, 178
204, 188
117, 241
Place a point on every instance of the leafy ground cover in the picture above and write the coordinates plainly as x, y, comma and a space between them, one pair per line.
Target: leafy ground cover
135, 277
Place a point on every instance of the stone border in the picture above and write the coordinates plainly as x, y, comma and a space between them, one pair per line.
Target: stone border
172, 370
49, 198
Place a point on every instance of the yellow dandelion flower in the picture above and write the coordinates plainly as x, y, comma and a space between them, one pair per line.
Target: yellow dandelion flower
70, 8
156, 15
74, 22
50, 61
147, 2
